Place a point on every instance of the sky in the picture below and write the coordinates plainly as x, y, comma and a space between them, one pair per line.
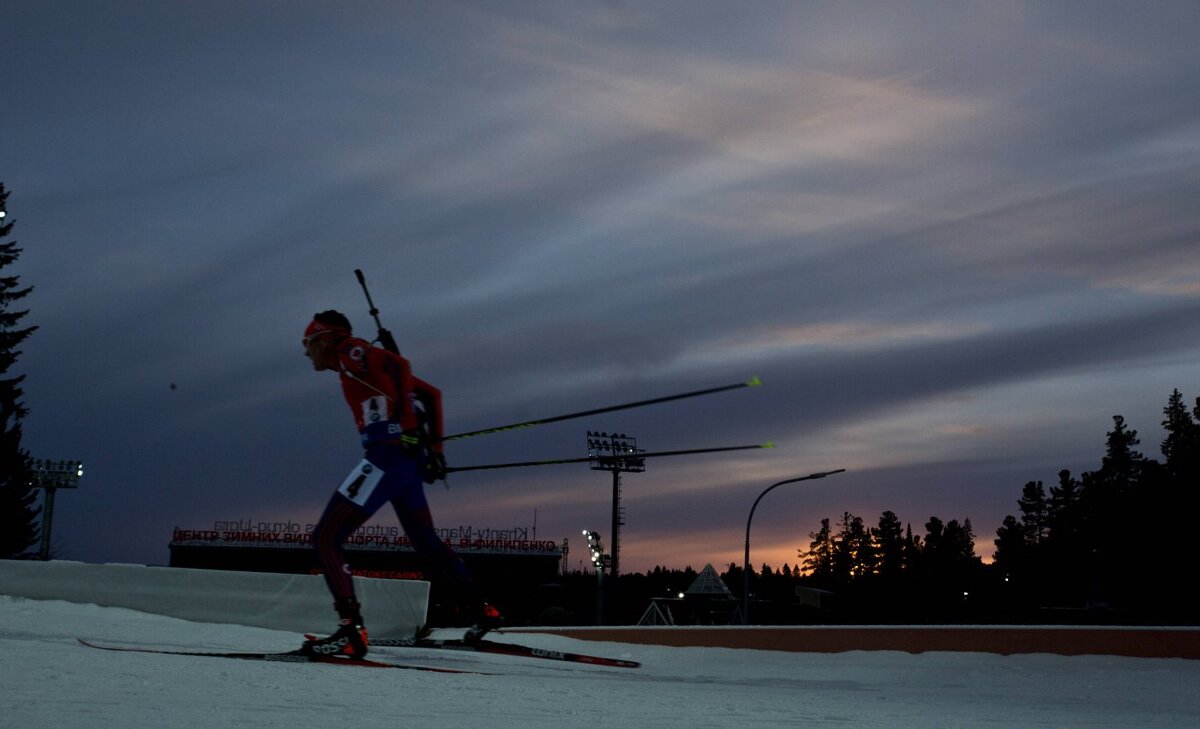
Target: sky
953, 239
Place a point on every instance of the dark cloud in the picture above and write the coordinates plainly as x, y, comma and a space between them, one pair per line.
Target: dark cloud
953, 233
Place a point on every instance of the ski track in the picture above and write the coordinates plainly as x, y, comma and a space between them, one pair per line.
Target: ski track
52, 682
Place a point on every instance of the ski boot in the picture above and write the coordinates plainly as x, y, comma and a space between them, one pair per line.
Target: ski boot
488, 619
349, 640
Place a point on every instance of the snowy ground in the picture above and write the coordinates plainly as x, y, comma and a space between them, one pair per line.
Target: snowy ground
50, 681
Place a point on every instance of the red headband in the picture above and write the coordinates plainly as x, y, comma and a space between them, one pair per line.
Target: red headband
316, 329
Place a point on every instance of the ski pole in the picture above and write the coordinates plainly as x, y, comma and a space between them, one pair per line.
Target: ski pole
384, 338
752, 382
619, 457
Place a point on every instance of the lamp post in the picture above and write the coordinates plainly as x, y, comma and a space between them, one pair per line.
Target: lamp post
52, 476
746, 562
601, 561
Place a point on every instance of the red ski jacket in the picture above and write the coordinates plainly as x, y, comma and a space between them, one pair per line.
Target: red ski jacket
380, 388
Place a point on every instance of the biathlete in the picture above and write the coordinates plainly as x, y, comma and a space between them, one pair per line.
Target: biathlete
400, 458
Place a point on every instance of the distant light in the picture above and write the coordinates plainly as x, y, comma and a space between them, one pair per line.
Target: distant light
681, 595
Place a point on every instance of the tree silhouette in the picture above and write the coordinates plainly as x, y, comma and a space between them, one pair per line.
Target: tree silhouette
1114, 538
1181, 446
889, 543
818, 560
1033, 512
1063, 516
1111, 538
18, 514
1013, 555
851, 550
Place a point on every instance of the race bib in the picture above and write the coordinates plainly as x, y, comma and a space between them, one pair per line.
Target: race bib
374, 410
361, 482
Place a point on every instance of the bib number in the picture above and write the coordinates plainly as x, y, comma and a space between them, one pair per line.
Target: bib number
361, 482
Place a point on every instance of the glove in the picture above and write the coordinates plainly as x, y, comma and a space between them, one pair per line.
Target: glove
435, 467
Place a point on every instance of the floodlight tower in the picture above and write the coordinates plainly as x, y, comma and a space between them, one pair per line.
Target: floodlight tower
52, 476
618, 454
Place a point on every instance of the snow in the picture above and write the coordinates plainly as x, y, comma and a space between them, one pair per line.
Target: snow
49, 680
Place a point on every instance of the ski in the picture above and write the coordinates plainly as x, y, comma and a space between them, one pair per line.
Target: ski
505, 649
602, 459
752, 382
278, 657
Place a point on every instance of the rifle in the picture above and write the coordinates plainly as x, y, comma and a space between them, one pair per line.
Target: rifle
435, 464
384, 337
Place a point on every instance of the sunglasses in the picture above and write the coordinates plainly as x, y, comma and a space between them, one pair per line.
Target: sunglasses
308, 340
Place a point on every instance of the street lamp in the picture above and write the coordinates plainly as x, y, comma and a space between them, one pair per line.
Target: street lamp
746, 562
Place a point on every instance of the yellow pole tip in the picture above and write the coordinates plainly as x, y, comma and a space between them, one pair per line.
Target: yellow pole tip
754, 381
768, 444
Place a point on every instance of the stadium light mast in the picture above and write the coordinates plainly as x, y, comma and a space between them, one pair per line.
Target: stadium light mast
52, 476
618, 454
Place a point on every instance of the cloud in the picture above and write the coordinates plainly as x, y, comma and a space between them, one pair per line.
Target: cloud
1130, 232
919, 228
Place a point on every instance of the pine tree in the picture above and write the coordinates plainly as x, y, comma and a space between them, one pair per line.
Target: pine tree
1033, 512
1115, 517
1121, 460
888, 539
852, 549
1033, 552
932, 554
1065, 552
1181, 447
959, 542
1179, 488
949, 548
1105, 492
912, 548
18, 514
818, 559
1062, 511
1012, 551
